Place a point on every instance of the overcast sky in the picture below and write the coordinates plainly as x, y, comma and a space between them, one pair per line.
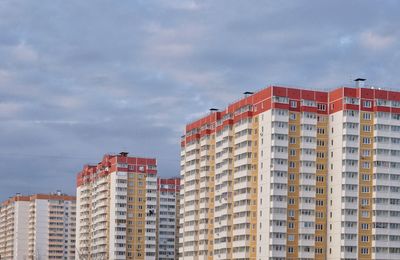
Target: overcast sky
79, 79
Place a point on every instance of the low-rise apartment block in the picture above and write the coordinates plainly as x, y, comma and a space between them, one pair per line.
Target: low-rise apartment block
40, 226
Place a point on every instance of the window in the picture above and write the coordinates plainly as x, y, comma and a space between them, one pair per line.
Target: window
292, 128
364, 189
353, 101
309, 103
365, 165
364, 226
292, 140
291, 238
395, 104
364, 251
292, 116
396, 116
365, 177
366, 140
366, 128
321, 107
283, 100
292, 152
367, 104
293, 103
381, 102
319, 227
366, 153
366, 116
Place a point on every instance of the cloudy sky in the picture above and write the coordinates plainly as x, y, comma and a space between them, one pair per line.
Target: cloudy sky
82, 78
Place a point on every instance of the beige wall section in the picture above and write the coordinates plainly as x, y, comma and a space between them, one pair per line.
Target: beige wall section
365, 187
293, 188
254, 185
321, 187
136, 212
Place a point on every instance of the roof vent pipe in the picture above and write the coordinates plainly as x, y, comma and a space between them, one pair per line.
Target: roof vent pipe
123, 154
248, 93
360, 83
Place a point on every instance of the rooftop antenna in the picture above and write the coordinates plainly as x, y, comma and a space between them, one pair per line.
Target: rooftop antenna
213, 110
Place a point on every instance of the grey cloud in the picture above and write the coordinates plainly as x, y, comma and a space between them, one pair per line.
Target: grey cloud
81, 78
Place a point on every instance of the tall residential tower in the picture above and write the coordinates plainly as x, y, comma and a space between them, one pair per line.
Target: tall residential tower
289, 173
117, 209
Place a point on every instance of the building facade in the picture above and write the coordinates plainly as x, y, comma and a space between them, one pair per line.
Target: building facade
168, 219
290, 173
117, 209
364, 174
40, 226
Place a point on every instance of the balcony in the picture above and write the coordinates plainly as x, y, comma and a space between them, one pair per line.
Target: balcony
280, 130
309, 133
280, 118
278, 142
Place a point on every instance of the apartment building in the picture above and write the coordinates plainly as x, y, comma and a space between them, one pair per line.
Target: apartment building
168, 219
364, 174
117, 208
288, 173
40, 226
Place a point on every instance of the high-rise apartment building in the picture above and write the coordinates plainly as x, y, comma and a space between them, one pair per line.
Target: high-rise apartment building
40, 226
168, 219
117, 209
290, 173
364, 174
